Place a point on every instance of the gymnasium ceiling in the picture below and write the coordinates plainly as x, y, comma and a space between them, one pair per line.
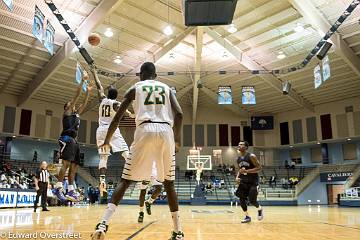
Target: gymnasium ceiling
264, 28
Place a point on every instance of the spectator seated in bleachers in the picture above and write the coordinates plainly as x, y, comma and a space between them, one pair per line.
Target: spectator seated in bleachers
222, 183
217, 183
287, 166
293, 181
284, 183
209, 188
292, 165
189, 175
272, 181
262, 180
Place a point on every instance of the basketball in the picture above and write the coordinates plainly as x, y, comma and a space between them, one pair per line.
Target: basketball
94, 39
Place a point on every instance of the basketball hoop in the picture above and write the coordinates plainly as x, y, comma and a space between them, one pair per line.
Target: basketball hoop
199, 169
199, 163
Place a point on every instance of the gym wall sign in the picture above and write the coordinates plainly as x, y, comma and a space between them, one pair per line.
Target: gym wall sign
334, 176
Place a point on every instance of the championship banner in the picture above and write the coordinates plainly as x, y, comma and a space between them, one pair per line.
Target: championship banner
49, 38
224, 95
262, 123
9, 4
317, 76
38, 25
248, 95
326, 68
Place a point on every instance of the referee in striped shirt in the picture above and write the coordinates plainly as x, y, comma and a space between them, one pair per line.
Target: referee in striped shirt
41, 185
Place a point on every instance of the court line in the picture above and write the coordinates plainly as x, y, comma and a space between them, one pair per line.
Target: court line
140, 230
339, 225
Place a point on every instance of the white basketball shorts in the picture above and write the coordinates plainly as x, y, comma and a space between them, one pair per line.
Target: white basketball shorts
153, 143
117, 141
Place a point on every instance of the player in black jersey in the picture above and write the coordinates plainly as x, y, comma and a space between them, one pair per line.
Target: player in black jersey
248, 179
69, 147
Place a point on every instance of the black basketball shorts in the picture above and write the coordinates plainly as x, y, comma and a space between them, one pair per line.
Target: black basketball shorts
69, 149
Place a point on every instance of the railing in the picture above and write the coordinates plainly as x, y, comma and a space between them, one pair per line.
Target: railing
271, 193
306, 181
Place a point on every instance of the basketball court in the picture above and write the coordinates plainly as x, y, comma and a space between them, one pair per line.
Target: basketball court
206, 223
282, 75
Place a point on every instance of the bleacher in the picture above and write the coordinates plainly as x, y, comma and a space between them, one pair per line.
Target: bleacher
185, 187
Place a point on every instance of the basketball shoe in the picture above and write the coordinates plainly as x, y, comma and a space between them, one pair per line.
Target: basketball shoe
100, 231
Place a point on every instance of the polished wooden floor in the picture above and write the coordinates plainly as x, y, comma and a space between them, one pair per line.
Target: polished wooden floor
208, 222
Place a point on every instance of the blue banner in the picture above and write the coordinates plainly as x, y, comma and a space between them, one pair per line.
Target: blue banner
326, 68
49, 38
38, 25
9, 4
224, 95
262, 123
79, 73
317, 76
248, 95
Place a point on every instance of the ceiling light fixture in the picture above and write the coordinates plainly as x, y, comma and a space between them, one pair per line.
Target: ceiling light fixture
118, 60
168, 30
281, 55
232, 28
349, 139
299, 28
109, 33
225, 54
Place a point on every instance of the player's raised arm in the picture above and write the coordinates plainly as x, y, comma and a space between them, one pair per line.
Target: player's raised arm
178, 117
84, 104
69, 108
100, 89
128, 98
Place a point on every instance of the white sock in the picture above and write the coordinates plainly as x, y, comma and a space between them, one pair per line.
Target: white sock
151, 201
71, 188
109, 211
59, 185
176, 220
142, 209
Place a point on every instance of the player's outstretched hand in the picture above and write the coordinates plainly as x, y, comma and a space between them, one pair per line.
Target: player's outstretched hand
105, 148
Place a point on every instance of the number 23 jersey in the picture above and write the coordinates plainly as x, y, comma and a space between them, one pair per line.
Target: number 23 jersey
106, 111
152, 102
